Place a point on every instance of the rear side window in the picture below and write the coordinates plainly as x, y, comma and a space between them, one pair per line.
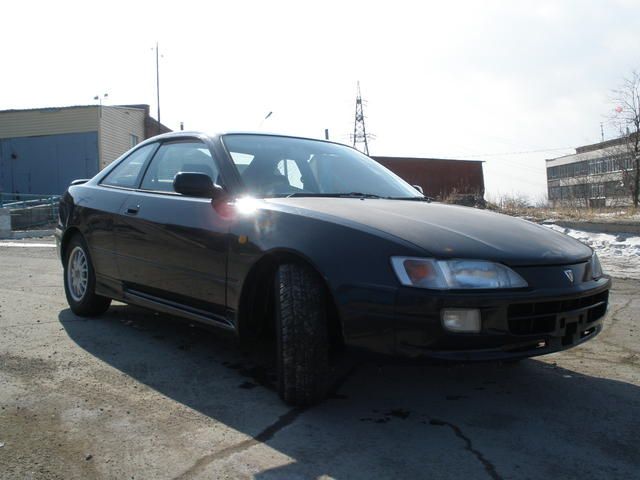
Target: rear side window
178, 157
127, 173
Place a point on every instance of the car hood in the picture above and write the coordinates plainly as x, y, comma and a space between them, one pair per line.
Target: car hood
447, 231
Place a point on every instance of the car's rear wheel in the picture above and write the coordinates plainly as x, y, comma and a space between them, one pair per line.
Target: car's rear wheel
302, 335
80, 281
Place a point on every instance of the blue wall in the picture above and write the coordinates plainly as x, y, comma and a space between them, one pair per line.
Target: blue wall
47, 164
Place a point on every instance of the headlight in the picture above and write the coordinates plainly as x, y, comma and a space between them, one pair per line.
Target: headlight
452, 274
596, 268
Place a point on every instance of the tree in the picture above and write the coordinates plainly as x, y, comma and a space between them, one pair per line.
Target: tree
627, 118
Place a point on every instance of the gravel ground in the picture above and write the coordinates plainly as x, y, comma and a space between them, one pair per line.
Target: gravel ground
137, 395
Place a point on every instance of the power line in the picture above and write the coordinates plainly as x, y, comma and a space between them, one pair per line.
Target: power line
521, 153
526, 167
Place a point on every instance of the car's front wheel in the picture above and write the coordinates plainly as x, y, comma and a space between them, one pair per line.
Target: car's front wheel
80, 281
302, 335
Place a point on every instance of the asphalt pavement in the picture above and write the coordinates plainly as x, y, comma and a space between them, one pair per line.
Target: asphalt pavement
137, 395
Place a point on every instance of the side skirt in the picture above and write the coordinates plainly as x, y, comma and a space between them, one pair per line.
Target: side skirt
166, 306
109, 287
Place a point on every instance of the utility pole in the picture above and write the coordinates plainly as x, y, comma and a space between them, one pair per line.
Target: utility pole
158, 83
360, 134
601, 132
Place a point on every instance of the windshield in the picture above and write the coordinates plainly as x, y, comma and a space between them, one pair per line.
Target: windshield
273, 166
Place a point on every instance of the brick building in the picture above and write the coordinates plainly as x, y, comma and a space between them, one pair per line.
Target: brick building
440, 178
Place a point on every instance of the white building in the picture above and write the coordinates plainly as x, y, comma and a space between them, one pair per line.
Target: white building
595, 176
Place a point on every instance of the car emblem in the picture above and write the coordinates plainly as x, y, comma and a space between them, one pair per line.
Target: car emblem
569, 274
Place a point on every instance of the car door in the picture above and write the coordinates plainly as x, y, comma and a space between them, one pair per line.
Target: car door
101, 206
173, 248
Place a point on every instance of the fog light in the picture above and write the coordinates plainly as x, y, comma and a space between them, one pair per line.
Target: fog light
461, 319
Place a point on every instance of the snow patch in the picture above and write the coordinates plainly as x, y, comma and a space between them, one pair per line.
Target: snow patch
619, 253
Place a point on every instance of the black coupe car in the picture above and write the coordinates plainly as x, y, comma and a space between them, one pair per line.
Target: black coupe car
322, 247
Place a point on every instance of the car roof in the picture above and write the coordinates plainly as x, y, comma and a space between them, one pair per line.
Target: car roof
213, 136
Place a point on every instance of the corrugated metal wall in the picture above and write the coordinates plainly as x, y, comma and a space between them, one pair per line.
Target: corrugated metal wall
438, 178
42, 150
48, 121
47, 164
116, 127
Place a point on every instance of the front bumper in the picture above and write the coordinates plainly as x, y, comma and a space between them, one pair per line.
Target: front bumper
515, 324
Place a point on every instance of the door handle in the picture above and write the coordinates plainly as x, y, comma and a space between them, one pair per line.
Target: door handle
133, 210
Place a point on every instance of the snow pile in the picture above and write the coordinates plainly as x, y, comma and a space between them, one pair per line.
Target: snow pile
618, 253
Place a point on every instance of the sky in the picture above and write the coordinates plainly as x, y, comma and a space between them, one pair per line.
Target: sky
508, 82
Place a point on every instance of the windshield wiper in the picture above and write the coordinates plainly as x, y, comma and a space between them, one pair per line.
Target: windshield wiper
350, 195
415, 199
305, 194
334, 195
358, 195
353, 195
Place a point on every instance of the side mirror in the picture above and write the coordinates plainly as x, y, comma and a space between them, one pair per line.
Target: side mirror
79, 181
194, 184
419, 188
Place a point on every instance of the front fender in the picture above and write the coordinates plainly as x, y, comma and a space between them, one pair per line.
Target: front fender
354, 264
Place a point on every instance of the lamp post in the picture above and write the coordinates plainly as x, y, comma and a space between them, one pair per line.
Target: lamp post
99, 98
158, 81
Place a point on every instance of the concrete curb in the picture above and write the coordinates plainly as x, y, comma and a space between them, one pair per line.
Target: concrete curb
602, 227
20, 234
5, 223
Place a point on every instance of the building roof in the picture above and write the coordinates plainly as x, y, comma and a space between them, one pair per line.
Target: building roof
610, 147
152, 126
68, 107
589, 152
579, 157
394, 158
607, 143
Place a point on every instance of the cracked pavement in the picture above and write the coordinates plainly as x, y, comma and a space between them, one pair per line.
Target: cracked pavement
138, 395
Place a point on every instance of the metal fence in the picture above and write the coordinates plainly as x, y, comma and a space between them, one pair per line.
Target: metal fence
29, 210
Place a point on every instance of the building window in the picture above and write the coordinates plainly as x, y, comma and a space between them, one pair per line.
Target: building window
134, 140
554, 193
597, 190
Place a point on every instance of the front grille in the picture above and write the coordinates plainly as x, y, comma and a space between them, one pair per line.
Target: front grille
531, 326
543, 317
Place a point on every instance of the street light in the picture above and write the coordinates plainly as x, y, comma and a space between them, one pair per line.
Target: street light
265, 118
99, 98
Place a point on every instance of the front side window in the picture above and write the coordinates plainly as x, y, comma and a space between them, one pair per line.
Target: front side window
172, 158
127, 173
272, 166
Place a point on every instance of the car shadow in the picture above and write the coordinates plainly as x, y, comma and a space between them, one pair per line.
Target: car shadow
532, 420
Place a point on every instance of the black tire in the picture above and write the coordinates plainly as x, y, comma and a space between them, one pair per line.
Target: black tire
302, 335
87, 304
